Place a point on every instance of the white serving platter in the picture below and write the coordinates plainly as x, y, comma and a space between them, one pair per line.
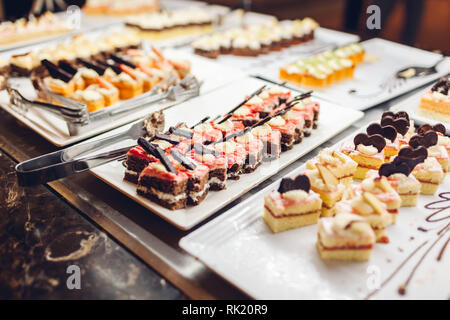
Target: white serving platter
389, 58
411, 105
241, 248
261, 64
333, 119
54, 129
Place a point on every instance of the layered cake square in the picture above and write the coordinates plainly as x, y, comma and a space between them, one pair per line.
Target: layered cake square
345, 237
292, 206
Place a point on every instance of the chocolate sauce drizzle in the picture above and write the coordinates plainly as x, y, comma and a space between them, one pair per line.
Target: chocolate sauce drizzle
445, 196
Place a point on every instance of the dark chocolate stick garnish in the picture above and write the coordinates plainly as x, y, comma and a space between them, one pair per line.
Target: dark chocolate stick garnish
66, 66
185, 162
165, 137
119, 60
230, 113
300, 97
201, 149
109, 63
56, 72
181, 133
92, 65
200, 122
157, 152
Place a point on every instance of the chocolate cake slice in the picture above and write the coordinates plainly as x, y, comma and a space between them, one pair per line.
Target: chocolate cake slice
168, 189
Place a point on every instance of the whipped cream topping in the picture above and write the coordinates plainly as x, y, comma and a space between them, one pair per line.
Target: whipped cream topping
242, 111
295, 195
277, 121
367, 150
350, 223
261, 131
227, 125
226, 147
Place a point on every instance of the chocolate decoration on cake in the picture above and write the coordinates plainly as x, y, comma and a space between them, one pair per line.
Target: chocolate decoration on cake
66, 66
185, 162
300, 182
201, 149
200, 122
109, 63
439, 127
230, 113
412, 157
181, 133
92, 65
400, 124
165, 137
389, 132
400, 114
158, 153
299, 98
119, 60
391, 168
426, 140
56, 72
375, 140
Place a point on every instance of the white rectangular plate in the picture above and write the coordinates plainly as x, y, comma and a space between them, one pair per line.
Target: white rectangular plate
54, 129
333, 119
276, 59
391, 57
241, 248
411, 105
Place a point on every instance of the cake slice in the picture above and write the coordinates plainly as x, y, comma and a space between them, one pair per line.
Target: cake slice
216, 162
292, 206
137, 159
271, 140
327, 186
345, 237
367, 151
287, 130
165, 187
371, 209
198, 176
340, 165
381, 188
253, 149
429, 174
435, 103
236, 156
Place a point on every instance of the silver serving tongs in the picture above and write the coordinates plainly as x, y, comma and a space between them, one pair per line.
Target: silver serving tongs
73, 160
70, 110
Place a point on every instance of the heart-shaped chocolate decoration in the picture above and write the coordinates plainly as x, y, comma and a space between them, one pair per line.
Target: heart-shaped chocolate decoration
300, 182
389, 132
410, 152
400, 114
391, 168
375, 140
439, 127
426, 140
411, 156
400, 124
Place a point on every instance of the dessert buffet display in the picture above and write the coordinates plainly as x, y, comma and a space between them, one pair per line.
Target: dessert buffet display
361, 213
178, 168
355, 216
175, 23
325, 68
256, 39
33, 28
261, 135
435, 103
119, 7
340, 76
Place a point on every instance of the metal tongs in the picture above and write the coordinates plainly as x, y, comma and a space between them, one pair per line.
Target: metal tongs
62, 163
68, 109
77, 117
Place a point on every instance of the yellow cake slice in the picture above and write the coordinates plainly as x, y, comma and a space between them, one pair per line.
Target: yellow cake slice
345, 237
340, 165
429, 174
